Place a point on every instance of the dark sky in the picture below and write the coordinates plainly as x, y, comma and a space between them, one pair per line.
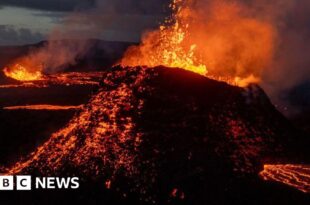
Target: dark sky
29, 21
48, 5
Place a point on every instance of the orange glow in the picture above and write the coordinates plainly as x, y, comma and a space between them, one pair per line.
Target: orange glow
297, 176
21, 73
222, 41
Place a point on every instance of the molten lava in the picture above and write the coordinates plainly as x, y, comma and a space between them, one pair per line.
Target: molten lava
297, 176
221, 41
21, 73
43, 107
64, 79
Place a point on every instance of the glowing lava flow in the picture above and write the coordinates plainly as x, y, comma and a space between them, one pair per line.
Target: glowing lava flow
297, 176
106, 136
21, 73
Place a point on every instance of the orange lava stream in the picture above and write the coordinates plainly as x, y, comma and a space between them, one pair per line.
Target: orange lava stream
297, 176
104, 140
43, 107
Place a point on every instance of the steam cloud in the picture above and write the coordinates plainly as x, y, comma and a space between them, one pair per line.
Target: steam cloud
71, 40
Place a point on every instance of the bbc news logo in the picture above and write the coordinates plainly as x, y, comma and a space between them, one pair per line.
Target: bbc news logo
26, 183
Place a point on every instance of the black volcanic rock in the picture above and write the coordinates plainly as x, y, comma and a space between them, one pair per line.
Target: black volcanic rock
165, 134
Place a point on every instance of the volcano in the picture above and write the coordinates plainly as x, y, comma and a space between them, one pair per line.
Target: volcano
166, 135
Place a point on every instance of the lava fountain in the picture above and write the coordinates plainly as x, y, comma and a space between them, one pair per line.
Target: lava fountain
220, 40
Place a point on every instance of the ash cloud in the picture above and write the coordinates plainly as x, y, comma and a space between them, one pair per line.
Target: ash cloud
290, 65
291, 62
